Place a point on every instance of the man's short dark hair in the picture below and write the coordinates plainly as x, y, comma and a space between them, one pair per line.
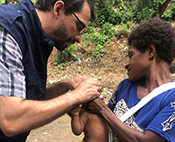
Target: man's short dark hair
157, 32
74, 5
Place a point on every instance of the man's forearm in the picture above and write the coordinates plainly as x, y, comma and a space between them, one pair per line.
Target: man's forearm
18, 115
25, 115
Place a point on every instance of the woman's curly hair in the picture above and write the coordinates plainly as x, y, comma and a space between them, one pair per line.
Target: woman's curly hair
157, 32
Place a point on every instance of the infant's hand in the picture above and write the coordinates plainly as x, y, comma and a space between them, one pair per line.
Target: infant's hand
76, 110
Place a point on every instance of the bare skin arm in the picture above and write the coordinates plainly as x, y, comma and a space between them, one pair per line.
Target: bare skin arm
78, 120
61, 87
123, 132
18, 115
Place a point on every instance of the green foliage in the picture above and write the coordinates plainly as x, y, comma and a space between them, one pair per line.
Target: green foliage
122, 31
98, 39
90, 28
97, 52
9, 1
2, 1
140, 13
122, 11
33, 1
98, 36
169, 14
114, 18
12, 1
65, 55
107, 12
108, 29
144, 9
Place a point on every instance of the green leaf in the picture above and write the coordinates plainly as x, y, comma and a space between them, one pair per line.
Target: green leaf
2, 1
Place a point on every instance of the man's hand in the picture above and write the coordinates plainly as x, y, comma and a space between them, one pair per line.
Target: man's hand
74, 82
88, 90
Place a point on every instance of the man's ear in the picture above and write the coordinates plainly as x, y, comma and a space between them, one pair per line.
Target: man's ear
152, 50
58, 8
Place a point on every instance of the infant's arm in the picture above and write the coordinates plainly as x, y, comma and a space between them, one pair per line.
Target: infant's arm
78, 120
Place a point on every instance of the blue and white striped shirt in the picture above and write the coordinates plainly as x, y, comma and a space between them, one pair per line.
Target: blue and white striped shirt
12, 78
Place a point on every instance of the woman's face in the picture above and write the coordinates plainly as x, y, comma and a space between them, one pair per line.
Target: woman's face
138, 65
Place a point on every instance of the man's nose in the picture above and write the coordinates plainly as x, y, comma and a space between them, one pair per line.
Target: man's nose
78, 38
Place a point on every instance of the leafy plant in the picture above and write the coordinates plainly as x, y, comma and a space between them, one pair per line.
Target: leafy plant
144, 9
65, 55
9, 1
122, 31
170, 12
2, 1
108, 29
97, 52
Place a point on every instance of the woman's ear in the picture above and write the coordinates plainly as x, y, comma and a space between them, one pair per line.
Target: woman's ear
152, 50
58, 8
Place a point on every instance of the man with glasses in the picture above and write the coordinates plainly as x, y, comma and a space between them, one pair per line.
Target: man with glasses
81, 30
27, 35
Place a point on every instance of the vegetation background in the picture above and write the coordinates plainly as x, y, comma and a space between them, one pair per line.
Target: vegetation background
114, 18
102, 54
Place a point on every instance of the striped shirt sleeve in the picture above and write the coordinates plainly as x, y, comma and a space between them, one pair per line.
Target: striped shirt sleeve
12, 78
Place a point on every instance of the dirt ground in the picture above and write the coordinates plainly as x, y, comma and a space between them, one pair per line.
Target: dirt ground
56, 131
110, 71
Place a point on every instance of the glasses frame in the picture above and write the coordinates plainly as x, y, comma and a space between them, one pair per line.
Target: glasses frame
83, 25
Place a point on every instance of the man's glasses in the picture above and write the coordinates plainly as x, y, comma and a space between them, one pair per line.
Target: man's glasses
83, 25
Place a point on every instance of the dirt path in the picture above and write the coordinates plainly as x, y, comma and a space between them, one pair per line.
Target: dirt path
56, 131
